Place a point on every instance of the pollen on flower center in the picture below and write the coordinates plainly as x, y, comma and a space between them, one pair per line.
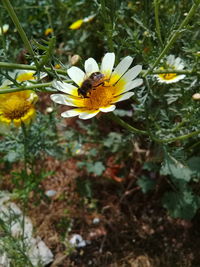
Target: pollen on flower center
99, 97
103, 95
15, 108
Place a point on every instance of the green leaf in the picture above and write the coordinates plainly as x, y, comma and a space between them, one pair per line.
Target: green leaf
194, 164
146, 184
176, 169
182, 204
12, 156
150, 166
97, 168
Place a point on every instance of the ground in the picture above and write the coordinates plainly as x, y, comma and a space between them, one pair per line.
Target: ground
133, 229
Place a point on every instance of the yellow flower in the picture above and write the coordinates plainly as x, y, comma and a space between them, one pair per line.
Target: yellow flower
17, 107
171, 63
5, 28
76, 25
98, 89
48, 31
57, 66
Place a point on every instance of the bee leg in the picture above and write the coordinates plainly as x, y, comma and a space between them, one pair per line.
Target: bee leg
102, 83
107, 80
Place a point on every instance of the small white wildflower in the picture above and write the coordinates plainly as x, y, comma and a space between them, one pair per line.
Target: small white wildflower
77, 241
174, 64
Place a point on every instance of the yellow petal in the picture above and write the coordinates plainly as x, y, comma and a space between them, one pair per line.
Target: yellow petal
48, 31
76, 25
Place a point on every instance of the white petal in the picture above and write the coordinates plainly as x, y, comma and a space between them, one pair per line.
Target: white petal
71, 113
132, 84
170, 59
132, 73
88, 114
58, 98
123, 97
67, 100
65, 88
76, 74
91, 66
108, 108
123, 66
177, 61
108, 63
43, 74
180, 66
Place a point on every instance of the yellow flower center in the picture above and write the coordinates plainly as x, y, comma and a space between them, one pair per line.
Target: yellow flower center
26, 76
168, 76
15, 107
104, 94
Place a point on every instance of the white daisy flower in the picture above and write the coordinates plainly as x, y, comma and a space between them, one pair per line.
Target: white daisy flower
171, 63
97, 89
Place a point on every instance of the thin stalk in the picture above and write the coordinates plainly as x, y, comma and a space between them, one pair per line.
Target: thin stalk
175, 35
24, 131
22, 33
3, 36
30, 7
178, 138
188, 72
108, 25
49, 17
156, 12
6, 65
31, 87
142, 132
127, 126
24, 180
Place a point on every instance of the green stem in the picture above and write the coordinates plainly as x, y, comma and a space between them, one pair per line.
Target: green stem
178, 138
22, 33
49, 17
137, 131
31, 87
175, 35
187, 72
108, 25
23, 126
7, 65
25, 178
3, 36
156, 11
126, 125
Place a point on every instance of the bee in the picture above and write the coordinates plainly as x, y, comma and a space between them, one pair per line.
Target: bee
95, 79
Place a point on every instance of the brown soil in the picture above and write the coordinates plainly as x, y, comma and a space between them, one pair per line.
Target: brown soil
134, 230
